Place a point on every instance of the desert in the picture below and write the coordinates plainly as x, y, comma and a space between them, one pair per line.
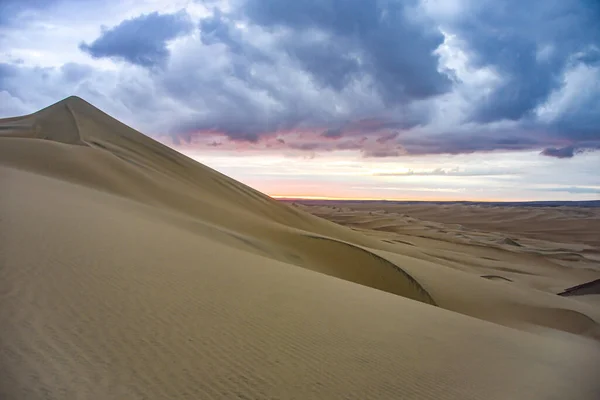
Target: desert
130, 271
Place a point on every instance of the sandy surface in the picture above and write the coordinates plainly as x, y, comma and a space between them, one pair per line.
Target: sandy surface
129, 271
564, 224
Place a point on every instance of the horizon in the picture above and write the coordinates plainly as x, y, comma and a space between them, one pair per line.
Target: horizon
334, 199
422, 100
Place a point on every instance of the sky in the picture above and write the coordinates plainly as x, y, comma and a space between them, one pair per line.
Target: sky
368, 99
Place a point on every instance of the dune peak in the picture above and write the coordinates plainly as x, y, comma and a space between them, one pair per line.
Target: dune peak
72, 120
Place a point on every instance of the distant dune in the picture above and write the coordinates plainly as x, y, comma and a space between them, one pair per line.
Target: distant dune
129, 271
558, 221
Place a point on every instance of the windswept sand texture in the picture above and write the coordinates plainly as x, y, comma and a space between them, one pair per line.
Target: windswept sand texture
129, 271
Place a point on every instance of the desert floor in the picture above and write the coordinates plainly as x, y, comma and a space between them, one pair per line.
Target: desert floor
129, 271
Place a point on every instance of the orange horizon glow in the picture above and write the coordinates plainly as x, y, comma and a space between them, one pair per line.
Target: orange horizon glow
423, 199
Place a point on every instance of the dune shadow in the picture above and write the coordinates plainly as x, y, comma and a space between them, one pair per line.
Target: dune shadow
415, 290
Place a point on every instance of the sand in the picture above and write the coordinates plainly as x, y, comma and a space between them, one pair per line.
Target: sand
129, 271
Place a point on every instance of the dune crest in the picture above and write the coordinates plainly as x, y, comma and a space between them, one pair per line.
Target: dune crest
131, 271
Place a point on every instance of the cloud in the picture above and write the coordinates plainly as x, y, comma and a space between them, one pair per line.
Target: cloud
333, 133
380, 78
467, 142
22, 83
530, 45
387, 138
327, 60
74, 72
571, 189
11, 11
449, 172
305, 146
571, 113
142, 40
339, 41
349, 145
128, 94
564, 152
267, 43
380, 152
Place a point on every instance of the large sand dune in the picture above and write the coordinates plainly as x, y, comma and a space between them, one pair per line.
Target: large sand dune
129, 271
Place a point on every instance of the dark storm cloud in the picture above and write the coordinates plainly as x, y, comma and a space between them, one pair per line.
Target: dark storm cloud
221, 29
218, 78
232, 93
355, 38
141, 40
253, 96
529, 44
327, 61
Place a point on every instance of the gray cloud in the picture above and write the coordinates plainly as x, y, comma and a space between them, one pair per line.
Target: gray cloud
328, 61
380, 153
333, 133
74, 72
141, 40
27, 89
563, 152
6, 71
387, 138
342, 44
530, 44
578, 122
123, 94
467, 142
349, 145
359, 38
343, 70
305, 146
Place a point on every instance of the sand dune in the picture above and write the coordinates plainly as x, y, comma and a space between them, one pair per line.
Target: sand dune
564, 224
129, 271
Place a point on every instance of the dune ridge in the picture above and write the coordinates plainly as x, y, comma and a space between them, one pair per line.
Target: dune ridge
131, 271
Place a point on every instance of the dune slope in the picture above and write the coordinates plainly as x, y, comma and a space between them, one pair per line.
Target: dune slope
131, 271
